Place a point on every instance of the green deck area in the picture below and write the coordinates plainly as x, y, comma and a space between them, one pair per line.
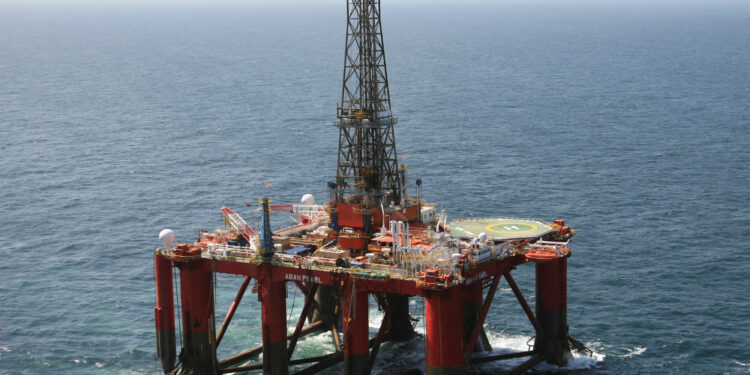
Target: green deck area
499, 229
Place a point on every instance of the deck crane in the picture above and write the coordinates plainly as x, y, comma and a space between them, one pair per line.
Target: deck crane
238, 223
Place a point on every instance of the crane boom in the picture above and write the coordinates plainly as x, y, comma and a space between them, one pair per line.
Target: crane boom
238, 223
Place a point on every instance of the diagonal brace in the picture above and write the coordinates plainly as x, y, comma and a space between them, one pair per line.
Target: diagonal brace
469, 345
381, 334
524, 305
232, 310
303, 316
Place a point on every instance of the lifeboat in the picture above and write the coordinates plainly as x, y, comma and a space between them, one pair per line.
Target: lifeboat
546, 254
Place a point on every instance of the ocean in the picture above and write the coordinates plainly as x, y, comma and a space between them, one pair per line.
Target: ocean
629, 119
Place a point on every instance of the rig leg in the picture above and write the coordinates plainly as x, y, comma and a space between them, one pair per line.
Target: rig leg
356, 331
164, 313
551, 311
472, 306
327, 302
444, 345
400, 324
197, 318
272, 296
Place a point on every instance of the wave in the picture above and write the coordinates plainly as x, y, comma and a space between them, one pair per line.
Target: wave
638, 350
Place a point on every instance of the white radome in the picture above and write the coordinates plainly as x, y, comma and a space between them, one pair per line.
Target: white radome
166, 236
482, 238
308, 200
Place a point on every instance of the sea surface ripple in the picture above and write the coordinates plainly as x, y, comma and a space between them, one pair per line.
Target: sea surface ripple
630, 120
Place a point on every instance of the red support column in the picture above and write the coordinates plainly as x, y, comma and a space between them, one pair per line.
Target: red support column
551, 310
272, 296
356, 330
197, 317
444, 344
164, 313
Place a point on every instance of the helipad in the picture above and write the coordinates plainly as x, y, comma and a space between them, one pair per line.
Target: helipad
499, 229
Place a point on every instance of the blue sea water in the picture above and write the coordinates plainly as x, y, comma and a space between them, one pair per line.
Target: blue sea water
628, 119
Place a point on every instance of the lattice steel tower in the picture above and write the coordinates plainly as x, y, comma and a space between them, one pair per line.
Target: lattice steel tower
367, 162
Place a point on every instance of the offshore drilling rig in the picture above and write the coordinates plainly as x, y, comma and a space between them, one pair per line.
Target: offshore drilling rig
370, 239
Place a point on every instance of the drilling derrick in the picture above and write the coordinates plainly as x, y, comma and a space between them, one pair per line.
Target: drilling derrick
367, 163
370, 188
368, 178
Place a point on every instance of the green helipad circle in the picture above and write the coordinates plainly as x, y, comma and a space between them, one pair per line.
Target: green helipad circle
499, 229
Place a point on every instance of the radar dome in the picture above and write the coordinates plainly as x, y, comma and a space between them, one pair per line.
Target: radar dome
482, 237
166, 236
308, 200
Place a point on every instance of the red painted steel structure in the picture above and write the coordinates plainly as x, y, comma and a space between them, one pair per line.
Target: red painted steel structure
444, 349
272, 295
356, 329
164, 313
196, 293
551, 309
349, 215
445, 310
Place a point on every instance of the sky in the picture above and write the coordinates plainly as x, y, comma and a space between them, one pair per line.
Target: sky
8, 8
106, 3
